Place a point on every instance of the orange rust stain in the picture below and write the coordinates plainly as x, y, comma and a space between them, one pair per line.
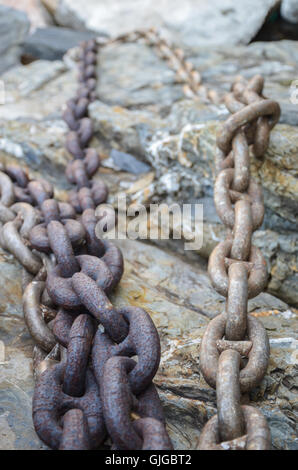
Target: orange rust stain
265, 313
118, 109
137, 297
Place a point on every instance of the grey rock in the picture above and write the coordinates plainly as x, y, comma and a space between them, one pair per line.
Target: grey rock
126, 162
14, 26
191, 22
289, 10
53, 42
37, 90
130, 130
135, 88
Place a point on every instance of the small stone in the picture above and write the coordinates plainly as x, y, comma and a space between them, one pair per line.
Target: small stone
53, 42
126, 162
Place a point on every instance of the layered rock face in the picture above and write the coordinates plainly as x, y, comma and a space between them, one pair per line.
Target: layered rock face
143, 113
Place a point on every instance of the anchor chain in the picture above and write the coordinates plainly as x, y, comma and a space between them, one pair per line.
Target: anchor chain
88, 388
234, 351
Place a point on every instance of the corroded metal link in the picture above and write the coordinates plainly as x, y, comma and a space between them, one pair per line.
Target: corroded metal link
258, 357
236, 303
78, 349
75, 434
217, 270
39, 237
43, 361
28, 215
98, 304
12, 241
104, 272
6, 214
79, 171
94, 245
62, 326
229, 412
223, 199
153, 434
17, 174
37, 326
142, 340
119, 402
257, 434
61, 246
50, 404
89, 198
242, 232
40, 191
249, 92
248, 114
6, 190
241, 163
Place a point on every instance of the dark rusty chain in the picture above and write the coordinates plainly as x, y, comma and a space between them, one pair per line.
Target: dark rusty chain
87, 386
234, 351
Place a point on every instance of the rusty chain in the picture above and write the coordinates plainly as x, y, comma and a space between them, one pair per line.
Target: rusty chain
234, 352
87, 386
185, 72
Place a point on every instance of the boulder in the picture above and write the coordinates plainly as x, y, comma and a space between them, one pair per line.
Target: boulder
191, 22
14, 26
53, 42
289, 10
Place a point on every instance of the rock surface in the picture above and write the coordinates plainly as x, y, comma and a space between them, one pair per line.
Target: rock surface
36, 12
14, 26
289, 10
151, 120
191, 22
53, 42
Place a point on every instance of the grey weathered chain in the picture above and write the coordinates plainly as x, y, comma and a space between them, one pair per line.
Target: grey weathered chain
235, 348
87, 386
